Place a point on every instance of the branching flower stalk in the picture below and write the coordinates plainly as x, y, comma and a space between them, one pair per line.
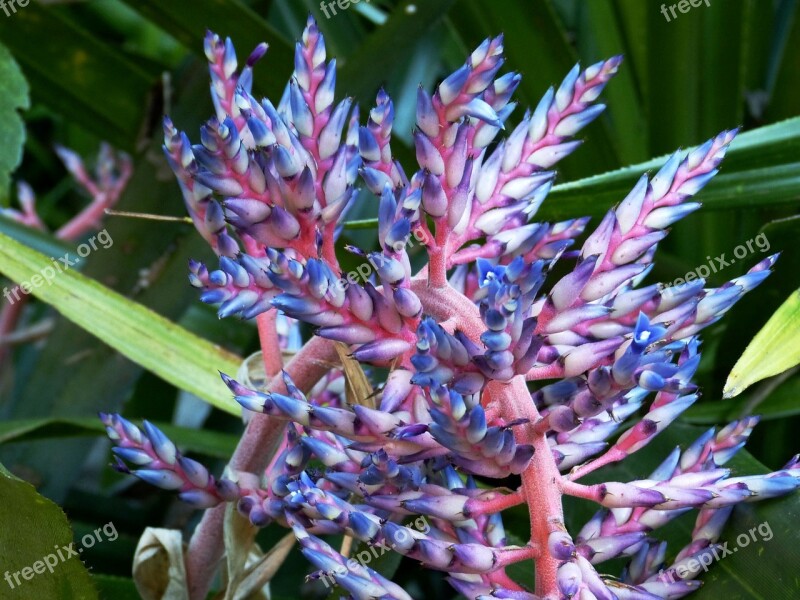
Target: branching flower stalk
104, 187
268, 187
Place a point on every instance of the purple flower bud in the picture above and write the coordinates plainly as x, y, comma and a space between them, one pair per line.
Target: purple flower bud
199, 498
450, 88
623, 495
166, 480
448, 507
133, 455
427, 155
162, 446
569, 579
560, 545
475, 558
434, 200
196, 473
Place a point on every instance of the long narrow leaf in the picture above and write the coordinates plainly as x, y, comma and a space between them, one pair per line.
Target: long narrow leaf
760, 171
77, 75
188, 20
772, 351
209, 443
157, 344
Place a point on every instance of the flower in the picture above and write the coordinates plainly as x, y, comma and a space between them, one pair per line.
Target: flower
268, 187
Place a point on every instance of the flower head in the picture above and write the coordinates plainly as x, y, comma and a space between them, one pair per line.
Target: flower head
268, 187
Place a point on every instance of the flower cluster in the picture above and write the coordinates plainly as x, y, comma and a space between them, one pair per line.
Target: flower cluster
268, 187
104, 186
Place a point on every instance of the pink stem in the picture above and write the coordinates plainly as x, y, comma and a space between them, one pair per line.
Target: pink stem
270, 344
252, 454
612, 456
86, 220
501, 578
91, 216
551, 371
496, 504
437, 270
468, 255
541, 480
577, 490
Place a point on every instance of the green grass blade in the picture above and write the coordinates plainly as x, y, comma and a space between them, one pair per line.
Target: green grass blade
157, 344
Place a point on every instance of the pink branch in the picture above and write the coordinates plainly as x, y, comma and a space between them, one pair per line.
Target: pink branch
540, 480
104, 195
496, 504
612, 456
270, 344
252, 454
542, 483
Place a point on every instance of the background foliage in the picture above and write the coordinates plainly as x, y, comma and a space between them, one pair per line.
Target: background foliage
108, 69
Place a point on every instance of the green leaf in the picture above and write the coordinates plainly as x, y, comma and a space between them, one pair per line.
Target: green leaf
33, 527
783, 74
188, 20
772, 351
209, 443
33, 238
760, 170
411, 21
751, 313
12, 129
78, 76
775, 402
119, 588
603, 27
159, 345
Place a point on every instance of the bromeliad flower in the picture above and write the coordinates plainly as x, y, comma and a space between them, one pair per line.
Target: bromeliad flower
268, 187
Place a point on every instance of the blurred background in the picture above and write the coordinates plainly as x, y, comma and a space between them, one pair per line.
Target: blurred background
106, 71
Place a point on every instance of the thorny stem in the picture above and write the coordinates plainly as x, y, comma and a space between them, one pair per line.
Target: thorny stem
541, 481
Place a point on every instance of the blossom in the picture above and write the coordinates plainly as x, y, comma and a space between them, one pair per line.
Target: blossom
268, 187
